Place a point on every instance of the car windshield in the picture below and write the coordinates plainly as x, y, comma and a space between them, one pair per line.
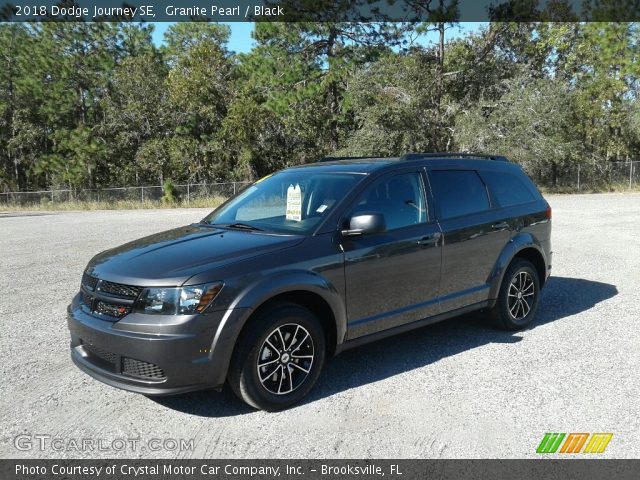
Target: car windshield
291, 202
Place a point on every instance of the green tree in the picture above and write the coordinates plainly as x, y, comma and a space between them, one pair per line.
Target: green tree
181, 37
68, 74
96, 104
199, 91
395, 103
321, 56
135, 112
532, 123
73, 158
12, 41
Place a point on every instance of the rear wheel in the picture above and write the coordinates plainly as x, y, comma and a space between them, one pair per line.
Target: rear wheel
278, 358
517, 301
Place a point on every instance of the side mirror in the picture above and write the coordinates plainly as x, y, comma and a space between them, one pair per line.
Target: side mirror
365, 224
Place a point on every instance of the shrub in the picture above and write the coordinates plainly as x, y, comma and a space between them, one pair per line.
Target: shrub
169, 192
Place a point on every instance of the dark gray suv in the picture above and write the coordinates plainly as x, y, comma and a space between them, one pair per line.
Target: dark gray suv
308, 262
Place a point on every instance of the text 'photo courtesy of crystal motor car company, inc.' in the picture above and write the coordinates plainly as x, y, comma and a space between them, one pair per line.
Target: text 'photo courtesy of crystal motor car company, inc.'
308, 262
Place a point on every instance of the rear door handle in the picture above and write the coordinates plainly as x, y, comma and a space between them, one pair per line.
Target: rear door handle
500, 226
430, 239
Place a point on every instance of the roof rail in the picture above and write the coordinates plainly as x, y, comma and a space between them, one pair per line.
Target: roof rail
417, 156
333, 159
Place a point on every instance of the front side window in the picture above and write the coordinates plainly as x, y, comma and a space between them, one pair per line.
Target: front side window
400, 198
289, 202
458, 192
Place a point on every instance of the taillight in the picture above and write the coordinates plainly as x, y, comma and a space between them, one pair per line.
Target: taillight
548, 212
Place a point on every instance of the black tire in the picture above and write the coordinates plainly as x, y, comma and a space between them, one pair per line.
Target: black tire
260, 340
518, 298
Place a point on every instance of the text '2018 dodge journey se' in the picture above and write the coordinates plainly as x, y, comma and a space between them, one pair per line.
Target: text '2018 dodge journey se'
308, 262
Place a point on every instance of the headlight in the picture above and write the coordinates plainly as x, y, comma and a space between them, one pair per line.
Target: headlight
177, 301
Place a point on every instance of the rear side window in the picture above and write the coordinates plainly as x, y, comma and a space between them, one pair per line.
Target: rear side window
458, 192
507, 188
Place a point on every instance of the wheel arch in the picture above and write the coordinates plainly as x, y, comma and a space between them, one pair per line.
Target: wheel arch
534, 256
524, 246
307, 289
310, 300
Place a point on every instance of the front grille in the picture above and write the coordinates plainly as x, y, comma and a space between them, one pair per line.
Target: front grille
101, 354
89, 282
119, 298
117, 311
138, 368
118, 289
87, 299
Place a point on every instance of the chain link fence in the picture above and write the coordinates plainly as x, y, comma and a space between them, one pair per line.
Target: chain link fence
578, 178
182, 192
591, 177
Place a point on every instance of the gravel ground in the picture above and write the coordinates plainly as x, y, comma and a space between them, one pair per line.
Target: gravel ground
453, 390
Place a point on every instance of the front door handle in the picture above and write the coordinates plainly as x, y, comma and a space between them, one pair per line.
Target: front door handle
500, 226
430, 239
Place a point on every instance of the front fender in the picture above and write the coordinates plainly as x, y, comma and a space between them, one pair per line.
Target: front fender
261, 291
519, 242
297, 280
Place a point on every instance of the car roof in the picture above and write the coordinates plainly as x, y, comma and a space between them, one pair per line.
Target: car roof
349, 165
366, 165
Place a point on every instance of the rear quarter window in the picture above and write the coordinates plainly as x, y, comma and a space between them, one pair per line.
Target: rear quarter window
458, 192
507, 188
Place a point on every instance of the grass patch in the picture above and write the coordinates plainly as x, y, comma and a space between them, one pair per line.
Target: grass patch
214, 202
209, 202
613, 188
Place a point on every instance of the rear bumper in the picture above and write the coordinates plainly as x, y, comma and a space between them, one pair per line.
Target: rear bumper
548, 269
189, 354
548, 262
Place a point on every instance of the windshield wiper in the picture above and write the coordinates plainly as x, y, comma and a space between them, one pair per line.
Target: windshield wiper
240, 226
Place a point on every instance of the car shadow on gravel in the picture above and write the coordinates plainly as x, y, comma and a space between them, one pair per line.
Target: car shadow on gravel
562, 297
206, 403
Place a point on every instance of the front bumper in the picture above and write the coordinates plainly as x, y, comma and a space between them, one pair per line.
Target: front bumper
175, 355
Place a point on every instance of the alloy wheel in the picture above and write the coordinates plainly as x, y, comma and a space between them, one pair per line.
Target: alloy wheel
285, 359
521, 295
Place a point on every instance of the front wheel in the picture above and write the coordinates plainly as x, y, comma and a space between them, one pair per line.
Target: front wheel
278, 358
517, 301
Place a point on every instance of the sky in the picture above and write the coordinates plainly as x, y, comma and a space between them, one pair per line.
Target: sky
241, 41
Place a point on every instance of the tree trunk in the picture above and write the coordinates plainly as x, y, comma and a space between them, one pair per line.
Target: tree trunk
335, 111
83, 107
17, 174
11, 110
440, 81
333, 94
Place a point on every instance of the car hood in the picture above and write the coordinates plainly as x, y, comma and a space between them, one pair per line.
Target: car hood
172, 257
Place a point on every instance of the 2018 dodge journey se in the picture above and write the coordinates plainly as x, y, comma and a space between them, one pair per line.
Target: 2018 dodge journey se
308, 262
